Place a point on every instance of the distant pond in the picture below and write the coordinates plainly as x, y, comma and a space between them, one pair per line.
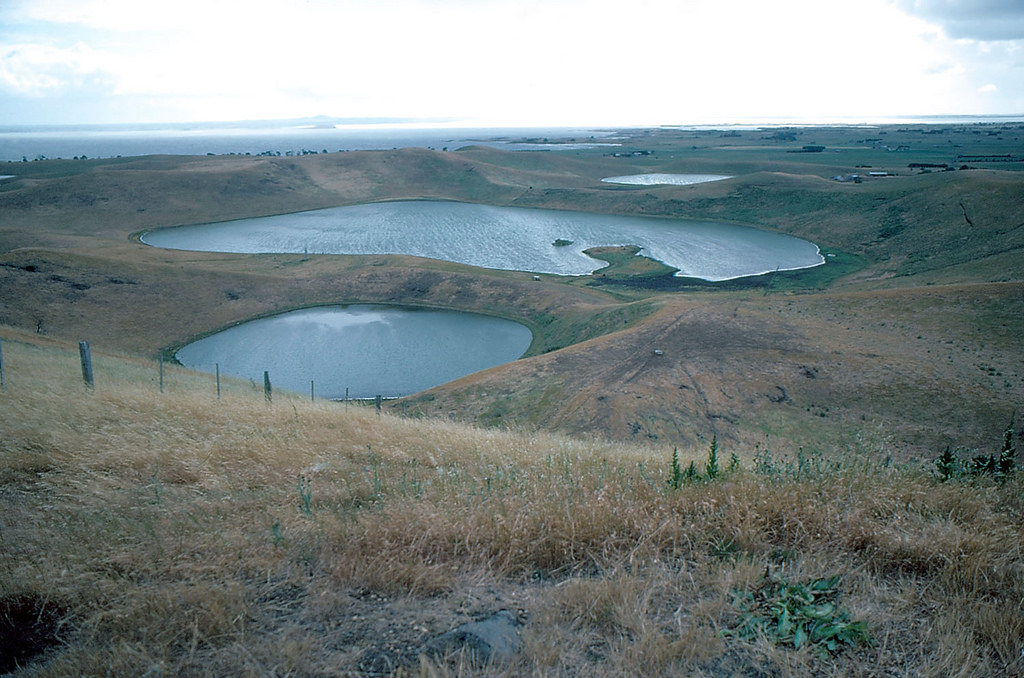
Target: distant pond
508, 238
359, 351
658, 179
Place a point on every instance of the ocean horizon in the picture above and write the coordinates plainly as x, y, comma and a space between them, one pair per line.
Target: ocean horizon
25, 143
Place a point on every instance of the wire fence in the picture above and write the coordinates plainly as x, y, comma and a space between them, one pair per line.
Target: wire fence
89, 378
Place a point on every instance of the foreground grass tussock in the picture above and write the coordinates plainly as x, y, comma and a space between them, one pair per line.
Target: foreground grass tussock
176, 533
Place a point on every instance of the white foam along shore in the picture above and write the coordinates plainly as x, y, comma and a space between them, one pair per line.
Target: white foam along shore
654, 179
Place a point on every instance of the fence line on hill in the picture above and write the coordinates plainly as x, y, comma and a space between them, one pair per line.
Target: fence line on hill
89, 377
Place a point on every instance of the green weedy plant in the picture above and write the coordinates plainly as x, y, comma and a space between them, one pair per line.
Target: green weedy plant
1008, 454
948, 465
798, 615
711, 467
676, 478
999, 467
765, 463
984, 464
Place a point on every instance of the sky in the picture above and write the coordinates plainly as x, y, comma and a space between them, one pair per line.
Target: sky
508, 62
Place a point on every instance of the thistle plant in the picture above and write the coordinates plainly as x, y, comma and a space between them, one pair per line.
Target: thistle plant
676, 477
679, 477
1000, 466
1008, 454
711, 470
948, 465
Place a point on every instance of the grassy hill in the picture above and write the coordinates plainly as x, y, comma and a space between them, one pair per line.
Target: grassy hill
176, 532
72, 268
182, 533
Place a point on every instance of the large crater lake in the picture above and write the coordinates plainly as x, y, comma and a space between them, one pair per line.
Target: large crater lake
508, 238
360, 350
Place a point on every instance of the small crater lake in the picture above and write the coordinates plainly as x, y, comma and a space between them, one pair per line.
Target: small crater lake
508, 238
658, 179
360, 350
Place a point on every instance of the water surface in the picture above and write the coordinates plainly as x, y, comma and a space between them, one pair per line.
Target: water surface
505, 238
280, 138
656, 179
360, 350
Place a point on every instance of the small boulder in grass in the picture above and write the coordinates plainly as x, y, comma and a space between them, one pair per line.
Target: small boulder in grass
491, 640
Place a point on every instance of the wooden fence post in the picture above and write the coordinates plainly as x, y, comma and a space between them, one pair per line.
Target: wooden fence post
217, 368
83, 351
312, 390
161, 372
266, 386
378, 401
3, 381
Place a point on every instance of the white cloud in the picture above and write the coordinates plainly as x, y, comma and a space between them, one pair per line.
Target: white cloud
525, 61
38, 70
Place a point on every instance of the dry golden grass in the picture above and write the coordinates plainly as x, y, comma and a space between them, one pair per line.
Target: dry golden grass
175, 533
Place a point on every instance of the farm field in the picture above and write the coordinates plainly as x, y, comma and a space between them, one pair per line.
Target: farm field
177, 532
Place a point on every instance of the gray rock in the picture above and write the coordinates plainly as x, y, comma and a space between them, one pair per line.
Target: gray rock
491, 640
